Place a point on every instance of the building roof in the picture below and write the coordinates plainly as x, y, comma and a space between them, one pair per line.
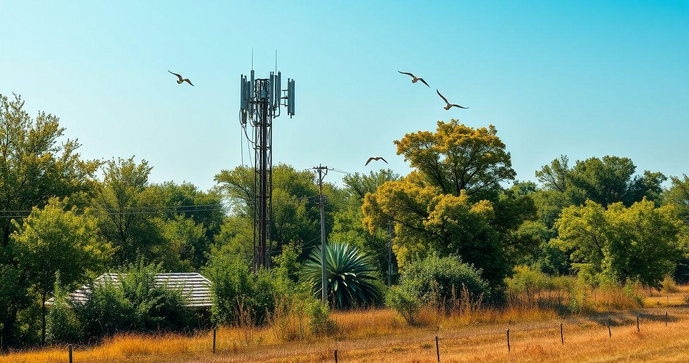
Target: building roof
195, 287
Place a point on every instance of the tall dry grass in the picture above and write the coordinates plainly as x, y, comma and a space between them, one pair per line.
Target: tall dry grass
288, 335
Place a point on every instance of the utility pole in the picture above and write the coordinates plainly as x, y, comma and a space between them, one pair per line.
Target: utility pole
390, 231
322, 172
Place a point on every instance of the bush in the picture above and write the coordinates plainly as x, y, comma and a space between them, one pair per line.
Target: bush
133, 303
239, 296
669, 285
438, 280
404, 303
62, 325
106, 311
318, 314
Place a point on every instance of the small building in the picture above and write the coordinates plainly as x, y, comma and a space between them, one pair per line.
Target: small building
195, 288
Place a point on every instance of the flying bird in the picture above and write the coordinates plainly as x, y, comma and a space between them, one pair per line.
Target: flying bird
449, 105
376, 158
181, 80
415, 78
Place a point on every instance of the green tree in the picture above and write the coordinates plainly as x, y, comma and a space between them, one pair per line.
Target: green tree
126, 212
185, 206
606, 180
639, 243
295, 213
53, 240
678, 196
347, 221
453, 203
36, 163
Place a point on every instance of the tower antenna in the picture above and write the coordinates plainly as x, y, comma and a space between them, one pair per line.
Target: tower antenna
260, 104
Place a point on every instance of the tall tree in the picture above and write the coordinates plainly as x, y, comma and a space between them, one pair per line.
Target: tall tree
452, 203
126, 213
639, 243
458, 158
53, 240
36, 163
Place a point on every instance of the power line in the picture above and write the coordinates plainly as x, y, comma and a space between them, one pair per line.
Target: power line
129, 211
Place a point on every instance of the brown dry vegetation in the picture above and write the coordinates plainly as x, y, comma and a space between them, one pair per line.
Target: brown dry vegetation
382, 336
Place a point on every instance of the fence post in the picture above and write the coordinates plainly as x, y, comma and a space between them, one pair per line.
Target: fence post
666, 318
562, 335
609, 331
215, 332
637, 323
437, 348
508, 341
70, 353
335, 355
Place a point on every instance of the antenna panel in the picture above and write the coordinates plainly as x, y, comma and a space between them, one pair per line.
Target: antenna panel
242, 84
278, 89
290, 97
271, 86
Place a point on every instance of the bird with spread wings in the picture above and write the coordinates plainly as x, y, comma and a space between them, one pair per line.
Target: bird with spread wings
415, 78
376, 158
180, 79
448, 104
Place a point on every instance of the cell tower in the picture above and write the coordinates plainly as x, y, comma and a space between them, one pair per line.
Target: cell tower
260, 103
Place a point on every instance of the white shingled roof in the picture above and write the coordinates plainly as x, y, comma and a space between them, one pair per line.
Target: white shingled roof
195, 287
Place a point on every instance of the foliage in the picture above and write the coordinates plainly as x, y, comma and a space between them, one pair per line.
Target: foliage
348, 228
133, 302
404, 302
318, 314
121, 200
36, 164
358, 185
287, 262
239, 296
295, 216
452, 203
641, 242
351, 279
62, 324
606, 180
436, 280
457, 157
53, 240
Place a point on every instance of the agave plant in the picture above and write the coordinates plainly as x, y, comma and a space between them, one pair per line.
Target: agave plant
349, 273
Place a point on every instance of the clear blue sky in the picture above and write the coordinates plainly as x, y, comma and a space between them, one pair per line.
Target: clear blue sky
581, 78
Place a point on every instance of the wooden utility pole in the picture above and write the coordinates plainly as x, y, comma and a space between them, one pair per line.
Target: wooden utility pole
322, 172
390, 231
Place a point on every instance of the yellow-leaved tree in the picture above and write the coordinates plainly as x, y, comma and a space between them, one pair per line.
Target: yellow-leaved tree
453, 202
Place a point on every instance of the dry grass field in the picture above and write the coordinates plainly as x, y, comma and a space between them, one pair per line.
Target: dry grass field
381, 336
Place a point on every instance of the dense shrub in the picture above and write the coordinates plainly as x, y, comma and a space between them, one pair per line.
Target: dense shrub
404, 302
438, 280
133, 303
61, 323
239, 296
528, 287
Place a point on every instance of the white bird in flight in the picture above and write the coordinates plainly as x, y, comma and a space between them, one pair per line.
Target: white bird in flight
415, 78
181, 80
449, 105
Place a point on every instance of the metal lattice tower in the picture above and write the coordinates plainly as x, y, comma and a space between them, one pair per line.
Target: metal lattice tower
259, 104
